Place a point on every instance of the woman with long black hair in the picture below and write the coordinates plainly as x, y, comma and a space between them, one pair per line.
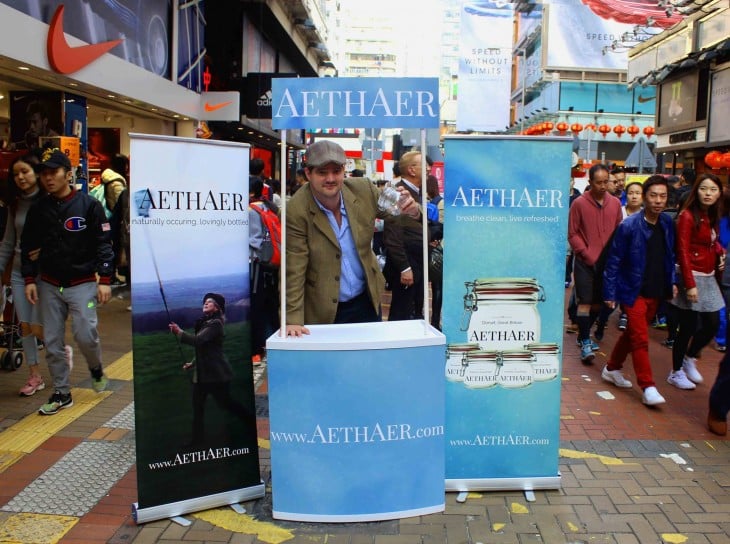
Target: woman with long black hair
23, 191
699, 300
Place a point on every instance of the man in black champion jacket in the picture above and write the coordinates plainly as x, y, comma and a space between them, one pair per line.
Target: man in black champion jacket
66, 242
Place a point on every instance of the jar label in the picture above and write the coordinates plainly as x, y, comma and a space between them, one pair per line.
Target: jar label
480, 375
504, 326
515, 375
545, 367
455, 371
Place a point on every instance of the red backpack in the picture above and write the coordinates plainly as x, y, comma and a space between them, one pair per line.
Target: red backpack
270, 251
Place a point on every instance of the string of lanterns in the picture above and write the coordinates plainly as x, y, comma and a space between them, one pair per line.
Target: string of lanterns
563, 127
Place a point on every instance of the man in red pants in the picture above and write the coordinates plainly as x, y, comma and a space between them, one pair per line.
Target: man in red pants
639, 272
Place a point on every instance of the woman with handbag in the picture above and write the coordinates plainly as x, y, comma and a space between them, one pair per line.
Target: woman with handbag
699, 300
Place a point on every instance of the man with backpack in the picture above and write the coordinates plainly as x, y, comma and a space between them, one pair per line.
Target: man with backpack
112, 184
108, 192
264, 244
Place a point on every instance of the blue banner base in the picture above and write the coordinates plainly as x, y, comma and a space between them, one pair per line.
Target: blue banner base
353, 518
501, 484
163, 511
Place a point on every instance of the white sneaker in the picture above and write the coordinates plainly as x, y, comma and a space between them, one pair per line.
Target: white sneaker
615, 377
689, 365
651, 397
679, 380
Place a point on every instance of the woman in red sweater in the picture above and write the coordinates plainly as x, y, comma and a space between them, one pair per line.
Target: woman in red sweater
699, 300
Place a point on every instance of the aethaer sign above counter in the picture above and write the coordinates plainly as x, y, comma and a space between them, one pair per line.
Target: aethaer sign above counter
301, 103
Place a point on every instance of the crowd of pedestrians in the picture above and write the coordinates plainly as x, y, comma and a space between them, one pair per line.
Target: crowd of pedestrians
653, 248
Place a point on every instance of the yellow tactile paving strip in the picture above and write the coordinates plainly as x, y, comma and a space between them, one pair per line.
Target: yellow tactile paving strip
35, 528
8, 458
34, 429
121, 369
227, 519
31, 431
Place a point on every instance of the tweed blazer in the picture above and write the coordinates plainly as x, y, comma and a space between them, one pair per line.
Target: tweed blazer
313, 253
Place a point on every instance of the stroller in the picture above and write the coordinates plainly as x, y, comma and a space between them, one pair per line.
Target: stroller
11, 351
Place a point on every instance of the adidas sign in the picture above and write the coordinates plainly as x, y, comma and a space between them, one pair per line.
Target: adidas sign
264, 99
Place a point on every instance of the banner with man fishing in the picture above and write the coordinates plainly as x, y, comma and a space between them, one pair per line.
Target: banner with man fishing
193, 379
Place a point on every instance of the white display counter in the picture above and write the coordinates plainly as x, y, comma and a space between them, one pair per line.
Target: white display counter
356, 418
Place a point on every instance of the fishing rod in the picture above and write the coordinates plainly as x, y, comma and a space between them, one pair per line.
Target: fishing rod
143, 210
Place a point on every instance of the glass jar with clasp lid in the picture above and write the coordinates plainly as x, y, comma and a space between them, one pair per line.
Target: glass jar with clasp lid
501, 313
482, 369
516, 369
456, 360
546, 365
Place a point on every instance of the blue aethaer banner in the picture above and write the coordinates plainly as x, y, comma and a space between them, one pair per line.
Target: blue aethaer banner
390, 102
503, 309
194, 403
362, 438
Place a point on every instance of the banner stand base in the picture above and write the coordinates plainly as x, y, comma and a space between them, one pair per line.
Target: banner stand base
174, 509
358, 518
503, 484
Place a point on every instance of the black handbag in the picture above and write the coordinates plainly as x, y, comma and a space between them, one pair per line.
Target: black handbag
436, 262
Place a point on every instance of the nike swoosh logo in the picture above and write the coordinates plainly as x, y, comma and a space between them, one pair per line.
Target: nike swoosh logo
213, 107
65, 59
641, 99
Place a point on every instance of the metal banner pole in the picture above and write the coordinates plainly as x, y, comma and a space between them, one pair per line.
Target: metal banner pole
424, 221
282, 210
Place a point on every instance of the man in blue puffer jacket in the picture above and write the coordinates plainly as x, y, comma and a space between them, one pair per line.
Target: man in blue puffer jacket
639, 272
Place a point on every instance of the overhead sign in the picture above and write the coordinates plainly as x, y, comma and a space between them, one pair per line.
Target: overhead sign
256, 92
485, 66
719, 104
66, 59
580, 36
372, 155
640, 156
220, 106
301, 103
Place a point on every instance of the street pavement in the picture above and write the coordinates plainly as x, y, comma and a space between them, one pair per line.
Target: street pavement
629, 473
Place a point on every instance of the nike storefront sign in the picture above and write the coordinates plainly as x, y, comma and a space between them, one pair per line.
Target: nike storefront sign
66, 59
220, 106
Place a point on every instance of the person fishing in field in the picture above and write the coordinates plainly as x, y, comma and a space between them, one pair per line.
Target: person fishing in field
211, 372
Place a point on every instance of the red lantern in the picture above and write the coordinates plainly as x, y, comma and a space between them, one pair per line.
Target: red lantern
590, 126
633, 130
576, 127
562, 127
619, 130
714, 159
649, 131
726, 159
548, 126
604, 129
